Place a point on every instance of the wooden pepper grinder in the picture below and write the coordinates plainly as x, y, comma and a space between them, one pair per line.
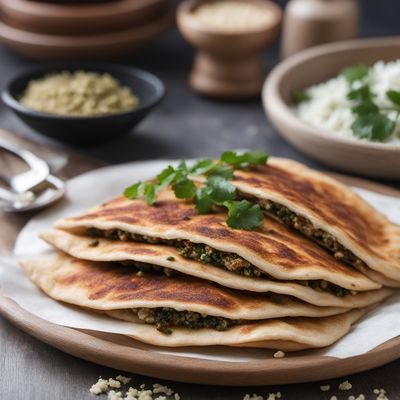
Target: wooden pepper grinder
311, 22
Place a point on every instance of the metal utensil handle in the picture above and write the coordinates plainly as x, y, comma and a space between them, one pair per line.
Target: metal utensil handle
39, 168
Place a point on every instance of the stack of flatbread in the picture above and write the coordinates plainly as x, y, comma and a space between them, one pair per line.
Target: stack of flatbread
322, 258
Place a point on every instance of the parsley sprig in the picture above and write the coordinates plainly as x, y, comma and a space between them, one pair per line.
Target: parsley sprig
370, 123
216, 191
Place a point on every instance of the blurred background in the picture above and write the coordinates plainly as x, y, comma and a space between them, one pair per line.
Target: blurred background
187, 124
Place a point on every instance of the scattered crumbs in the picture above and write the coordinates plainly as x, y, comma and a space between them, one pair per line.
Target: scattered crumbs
94, 243
381, 394
274, 396
113, 395
279, 354
253, 397
159, 392
101, 386
112, 383
123, 379
170, 258
346, 385
359, 397
325, 388
157, 388
270, 396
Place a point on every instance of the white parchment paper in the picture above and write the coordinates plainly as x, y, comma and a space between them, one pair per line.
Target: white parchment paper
97, 186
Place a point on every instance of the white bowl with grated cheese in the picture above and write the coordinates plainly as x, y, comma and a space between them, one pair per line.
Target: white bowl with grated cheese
321, 127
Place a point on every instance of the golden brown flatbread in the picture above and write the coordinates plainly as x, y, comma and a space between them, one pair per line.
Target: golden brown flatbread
273, 248
330, 206
287, 334
110, 286
84, 247
117, 291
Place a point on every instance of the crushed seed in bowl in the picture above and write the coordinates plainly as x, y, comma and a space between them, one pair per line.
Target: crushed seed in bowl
78, 93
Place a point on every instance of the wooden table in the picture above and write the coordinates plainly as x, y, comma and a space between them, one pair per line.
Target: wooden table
183, 126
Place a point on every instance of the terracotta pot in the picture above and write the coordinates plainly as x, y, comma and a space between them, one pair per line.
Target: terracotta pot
227, 64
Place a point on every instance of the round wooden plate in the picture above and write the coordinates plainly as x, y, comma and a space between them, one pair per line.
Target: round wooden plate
126, 354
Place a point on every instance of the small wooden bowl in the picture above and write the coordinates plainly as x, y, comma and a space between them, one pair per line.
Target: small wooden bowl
75, 19
227, 64
315, 65
110, 45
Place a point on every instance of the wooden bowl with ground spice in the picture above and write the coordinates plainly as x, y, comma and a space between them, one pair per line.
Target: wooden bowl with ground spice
83, 104
230, 36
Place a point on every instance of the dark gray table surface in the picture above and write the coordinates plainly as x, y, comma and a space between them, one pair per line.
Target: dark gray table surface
184, 125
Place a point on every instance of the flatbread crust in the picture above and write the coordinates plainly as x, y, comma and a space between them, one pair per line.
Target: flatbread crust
287, 334
272, 248
330, 206
115, 290
168, 257
109, 286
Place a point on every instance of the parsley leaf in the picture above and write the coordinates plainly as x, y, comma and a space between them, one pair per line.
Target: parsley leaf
203, 200
299, 96
166, 176
220, 189
245, 159
217, 190
222, 171
366, 107
149, 192
184, 189
362, 93
134, 191
244, 214
355, 73
394, 96
202, 167
376, 127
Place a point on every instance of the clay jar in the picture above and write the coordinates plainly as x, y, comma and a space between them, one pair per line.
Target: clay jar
228, 63
311, 22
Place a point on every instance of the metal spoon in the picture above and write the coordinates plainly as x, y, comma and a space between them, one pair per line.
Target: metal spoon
33, 189
38, 172
42, 195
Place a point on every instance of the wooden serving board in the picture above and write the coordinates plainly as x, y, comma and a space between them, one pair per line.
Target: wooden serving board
123, 353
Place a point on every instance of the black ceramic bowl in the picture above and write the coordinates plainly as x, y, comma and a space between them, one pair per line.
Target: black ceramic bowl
87, 130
